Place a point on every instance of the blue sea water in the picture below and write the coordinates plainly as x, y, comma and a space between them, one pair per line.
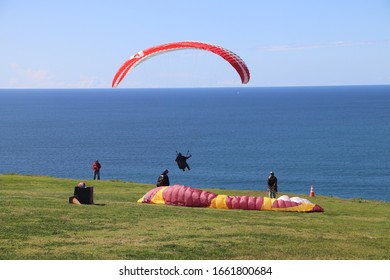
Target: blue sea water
335, 138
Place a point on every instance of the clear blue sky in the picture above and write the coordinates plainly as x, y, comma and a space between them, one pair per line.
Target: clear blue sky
82, 43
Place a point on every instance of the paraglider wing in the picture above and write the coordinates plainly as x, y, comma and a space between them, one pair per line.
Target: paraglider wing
234, 60
180, 195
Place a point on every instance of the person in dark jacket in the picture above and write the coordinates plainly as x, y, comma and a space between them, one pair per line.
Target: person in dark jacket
163, 179
272, 183
182, 161
96, 169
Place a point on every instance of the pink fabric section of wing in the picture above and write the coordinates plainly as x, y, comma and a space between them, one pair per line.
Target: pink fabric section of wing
186, 196
284, 204
244, 202
150, 194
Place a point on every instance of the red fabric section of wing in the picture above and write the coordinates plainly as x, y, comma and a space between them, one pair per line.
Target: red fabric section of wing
235, 61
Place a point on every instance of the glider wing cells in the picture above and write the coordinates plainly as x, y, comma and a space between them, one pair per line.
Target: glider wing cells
180, 195
235, 61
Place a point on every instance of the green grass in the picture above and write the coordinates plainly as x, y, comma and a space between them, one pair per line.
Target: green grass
37, 222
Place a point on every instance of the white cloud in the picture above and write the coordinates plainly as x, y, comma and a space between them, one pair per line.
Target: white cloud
30, 74
24, 77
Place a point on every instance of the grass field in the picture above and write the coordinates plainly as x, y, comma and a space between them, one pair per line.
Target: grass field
37, 222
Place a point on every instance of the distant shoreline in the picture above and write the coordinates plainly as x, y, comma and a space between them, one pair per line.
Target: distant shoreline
195, 88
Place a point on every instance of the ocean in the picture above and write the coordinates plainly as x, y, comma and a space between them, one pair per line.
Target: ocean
334, 138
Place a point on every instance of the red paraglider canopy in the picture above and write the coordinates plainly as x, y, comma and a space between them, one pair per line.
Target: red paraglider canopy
235, 61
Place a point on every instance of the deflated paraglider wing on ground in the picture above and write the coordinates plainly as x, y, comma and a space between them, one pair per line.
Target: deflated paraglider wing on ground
234, 60
180, 195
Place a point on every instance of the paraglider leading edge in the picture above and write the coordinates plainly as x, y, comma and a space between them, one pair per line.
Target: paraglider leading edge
235, 61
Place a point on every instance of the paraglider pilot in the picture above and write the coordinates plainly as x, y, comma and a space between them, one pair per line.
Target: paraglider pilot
272, 183
163, 179
182, 161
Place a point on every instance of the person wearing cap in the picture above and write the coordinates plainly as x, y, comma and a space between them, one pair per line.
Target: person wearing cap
272, 183
163, 179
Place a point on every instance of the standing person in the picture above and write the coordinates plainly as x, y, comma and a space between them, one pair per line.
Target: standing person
163, 179
272, 183
96, 169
